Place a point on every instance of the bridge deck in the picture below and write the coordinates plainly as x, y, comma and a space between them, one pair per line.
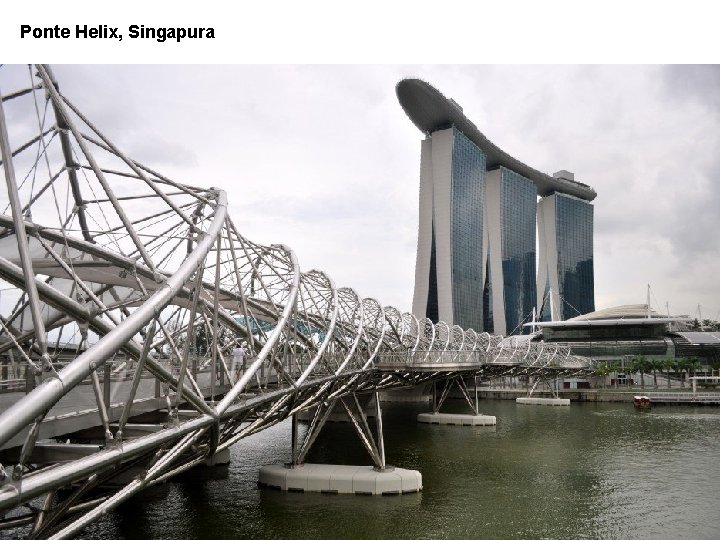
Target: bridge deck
77, 410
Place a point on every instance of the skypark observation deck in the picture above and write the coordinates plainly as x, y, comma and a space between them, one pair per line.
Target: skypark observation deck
430, 111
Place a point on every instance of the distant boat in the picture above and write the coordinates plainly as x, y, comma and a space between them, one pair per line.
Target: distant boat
642, 402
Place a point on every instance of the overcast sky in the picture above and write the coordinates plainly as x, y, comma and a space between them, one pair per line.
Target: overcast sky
323, 159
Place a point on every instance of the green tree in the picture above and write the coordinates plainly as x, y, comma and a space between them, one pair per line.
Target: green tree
683, 365
714, 361
641, 365
631, 368
615, 368
656, 364
669, 364
692, 366
603, 371
712, 326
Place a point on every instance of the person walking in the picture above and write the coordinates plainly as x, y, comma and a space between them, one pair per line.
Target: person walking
238, 355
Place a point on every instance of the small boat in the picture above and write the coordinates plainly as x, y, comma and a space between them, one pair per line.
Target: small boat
642, 402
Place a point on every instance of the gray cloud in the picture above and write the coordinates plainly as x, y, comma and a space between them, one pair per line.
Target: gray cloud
322, 158
696, 82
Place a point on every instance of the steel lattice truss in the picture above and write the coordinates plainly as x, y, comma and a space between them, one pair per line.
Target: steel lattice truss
123, 294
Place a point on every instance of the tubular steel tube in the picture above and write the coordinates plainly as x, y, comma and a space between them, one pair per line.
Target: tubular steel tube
328, 334
102, 410
272, 339
22, 241
135, 382
96, 169
345, 320
380, 436
18, 415
69, 163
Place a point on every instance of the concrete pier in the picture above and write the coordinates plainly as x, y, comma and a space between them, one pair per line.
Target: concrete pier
219, 458
456, 419
359, 480
563, 402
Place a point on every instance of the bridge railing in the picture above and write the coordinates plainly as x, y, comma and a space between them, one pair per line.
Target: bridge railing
539, 359
425, 358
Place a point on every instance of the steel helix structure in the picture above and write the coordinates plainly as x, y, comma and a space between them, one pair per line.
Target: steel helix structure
141, 334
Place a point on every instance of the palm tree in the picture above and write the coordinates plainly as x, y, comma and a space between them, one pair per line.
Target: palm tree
683, 364
647, 366
656, 364
711, 325
615, 368
642, 365
669, 364
602, 371
631, 367
692, 366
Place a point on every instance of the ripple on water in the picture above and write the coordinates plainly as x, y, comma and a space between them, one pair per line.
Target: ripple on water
592, 471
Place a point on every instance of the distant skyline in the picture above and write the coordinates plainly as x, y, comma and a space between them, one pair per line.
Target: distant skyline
323, 159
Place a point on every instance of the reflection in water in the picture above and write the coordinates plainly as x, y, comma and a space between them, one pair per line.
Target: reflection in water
584, 471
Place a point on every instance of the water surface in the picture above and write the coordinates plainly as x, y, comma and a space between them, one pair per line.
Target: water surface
585, 471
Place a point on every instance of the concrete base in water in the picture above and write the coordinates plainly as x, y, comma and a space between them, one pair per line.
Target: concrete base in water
542, 401
456, 419
220, 458
360, 480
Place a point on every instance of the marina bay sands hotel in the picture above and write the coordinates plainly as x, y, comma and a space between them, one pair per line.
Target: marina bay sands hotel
479, 220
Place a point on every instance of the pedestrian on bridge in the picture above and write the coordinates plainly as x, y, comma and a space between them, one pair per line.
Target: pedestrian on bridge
238, 355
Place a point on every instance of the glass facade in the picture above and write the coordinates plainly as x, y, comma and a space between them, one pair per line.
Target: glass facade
468, 192
488, 320
432, 311
574, 226
518, 208
499, 292
544, 308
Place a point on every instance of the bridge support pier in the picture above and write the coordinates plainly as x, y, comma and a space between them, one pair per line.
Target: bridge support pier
379, 427
359, 480
219, 458
379, 479
299, 449
556, 400
293, 440
356, 412
436, 417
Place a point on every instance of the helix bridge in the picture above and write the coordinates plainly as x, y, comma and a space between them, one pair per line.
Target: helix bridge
123, 295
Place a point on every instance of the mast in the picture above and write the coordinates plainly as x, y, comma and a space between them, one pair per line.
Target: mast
533, 327
699, 312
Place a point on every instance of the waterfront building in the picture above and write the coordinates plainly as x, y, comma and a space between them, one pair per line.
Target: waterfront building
449, 269
620, 333
510, 205
476, 258
565, 285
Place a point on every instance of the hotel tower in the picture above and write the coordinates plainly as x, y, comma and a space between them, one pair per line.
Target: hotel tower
476, 258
